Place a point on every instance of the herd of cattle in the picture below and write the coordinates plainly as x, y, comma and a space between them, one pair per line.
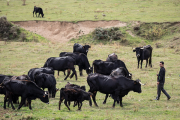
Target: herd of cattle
109, 77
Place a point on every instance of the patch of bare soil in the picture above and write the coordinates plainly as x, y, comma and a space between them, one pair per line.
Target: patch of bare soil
64, 31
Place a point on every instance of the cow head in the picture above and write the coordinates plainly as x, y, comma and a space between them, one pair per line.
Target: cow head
138, 51
45, 98
137, 86
86, 48
89, 70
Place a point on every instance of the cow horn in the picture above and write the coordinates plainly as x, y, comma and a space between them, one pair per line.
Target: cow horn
141, 83
129, 74
142, 48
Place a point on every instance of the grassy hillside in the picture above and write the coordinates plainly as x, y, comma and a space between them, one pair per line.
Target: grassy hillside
80, 10
18, 58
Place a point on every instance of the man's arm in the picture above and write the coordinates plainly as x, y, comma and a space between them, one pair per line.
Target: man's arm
161, 75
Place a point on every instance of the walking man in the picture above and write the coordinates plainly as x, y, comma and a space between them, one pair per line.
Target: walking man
161, 81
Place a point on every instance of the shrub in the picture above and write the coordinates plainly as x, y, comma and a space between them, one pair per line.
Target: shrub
23, 36
107, 33
150, 31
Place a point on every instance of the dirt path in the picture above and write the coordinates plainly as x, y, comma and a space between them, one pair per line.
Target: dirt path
64, 31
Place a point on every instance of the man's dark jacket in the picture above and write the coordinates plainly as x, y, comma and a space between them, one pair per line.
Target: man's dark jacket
161, 75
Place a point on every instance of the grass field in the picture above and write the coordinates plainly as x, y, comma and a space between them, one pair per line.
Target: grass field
17, 58
80, 10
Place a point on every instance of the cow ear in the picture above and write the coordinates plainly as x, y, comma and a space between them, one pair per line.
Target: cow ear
135, 82
134, 50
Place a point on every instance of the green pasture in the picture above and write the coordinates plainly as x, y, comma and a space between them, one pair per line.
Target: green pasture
80, 10
16, 58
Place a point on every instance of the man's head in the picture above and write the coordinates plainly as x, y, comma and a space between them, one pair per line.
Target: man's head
161, 64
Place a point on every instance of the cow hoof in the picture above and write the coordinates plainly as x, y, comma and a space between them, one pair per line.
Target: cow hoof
113, 106
4, 107
104, 102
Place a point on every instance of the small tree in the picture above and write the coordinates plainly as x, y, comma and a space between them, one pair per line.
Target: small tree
24, 2
8, 2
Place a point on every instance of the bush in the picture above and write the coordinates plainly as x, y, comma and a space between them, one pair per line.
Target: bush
107, 33
150, 31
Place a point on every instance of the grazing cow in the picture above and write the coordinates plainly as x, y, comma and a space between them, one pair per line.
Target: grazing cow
81, 61
38, 10
74, 94
81, 49
32, 72
144, 53
105, 68
112, 58
26, 89
62, 64
110, 85
44, 80
3, 90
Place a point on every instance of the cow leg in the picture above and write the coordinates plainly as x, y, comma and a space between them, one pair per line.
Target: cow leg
33, 13
29, 101
64, 72
141, 63
105, 99
65, 102
5, 99
80, 71
23, 99
60, 101
146, 62
138, 63
58, 73
50, 92
10, 100
69, 103
74, 72
67, 74
75, 103
90, 102
94, 98
120, 99
80, 105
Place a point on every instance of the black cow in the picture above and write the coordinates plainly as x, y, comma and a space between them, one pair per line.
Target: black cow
144, 53
34, 71
74, 94
38, 10
106, 68
3, 90
44, 80
119, 72
81, 61
110, 85
112, 57
69, 85
62, 64
26, 89
81, 49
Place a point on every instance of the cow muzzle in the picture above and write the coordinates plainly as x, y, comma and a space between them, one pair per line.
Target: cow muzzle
138, 55
47, 103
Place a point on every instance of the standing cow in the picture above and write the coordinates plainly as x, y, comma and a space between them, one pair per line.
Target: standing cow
144, 53
81, 60
62, 64
110, 85
81, 49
